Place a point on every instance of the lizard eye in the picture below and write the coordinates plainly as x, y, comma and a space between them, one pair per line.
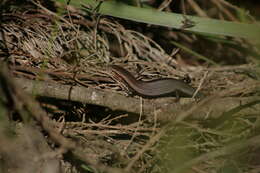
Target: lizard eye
186, 79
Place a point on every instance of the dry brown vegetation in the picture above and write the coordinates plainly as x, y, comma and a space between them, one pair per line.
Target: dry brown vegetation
60, 111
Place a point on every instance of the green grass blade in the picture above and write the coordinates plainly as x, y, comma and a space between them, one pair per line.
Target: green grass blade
199, 56
173, 20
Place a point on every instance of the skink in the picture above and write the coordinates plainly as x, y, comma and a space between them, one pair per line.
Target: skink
154, 88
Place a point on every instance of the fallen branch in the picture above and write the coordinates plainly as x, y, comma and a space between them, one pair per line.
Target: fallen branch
34, 109
167, 108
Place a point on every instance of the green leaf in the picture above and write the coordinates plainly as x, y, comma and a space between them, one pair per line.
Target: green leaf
199, 56
173, 20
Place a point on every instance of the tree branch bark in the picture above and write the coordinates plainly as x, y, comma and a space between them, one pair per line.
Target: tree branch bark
167, 108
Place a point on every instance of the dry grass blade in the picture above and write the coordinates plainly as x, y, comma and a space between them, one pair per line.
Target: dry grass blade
36, 111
